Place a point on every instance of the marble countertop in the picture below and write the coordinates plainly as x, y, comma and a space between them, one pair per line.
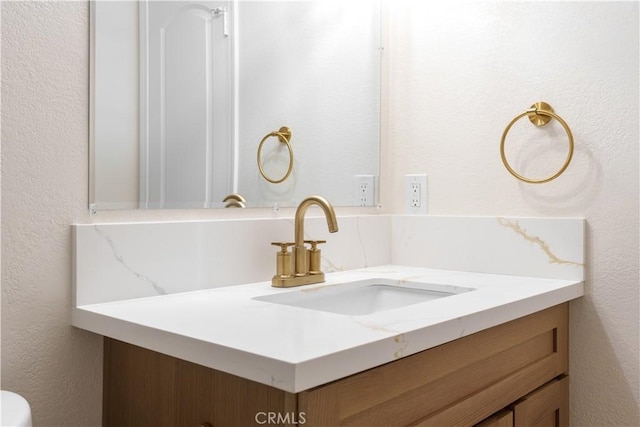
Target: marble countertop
295, 349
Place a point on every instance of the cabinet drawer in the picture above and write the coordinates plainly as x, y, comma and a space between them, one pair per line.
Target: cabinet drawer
503, 418
458, 383
548, 406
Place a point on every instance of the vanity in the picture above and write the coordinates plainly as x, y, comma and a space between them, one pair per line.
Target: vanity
514, 374
435, 343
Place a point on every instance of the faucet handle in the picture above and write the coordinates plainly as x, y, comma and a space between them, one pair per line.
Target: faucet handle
283, 246
314, 243
283, 261
313, 256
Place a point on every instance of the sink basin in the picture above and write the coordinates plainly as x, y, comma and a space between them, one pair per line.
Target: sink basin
364, 296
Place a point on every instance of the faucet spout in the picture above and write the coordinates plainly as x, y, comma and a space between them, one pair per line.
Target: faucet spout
303, 266
300, 264
329, 213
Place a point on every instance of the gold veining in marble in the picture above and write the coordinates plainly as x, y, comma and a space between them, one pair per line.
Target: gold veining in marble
320, 288
553, 258
376, 327
275, 381
403, 346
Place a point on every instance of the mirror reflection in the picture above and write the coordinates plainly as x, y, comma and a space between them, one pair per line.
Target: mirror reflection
185, 92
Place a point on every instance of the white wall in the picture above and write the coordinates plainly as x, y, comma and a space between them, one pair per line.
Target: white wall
460, 73
451, 100
44, 184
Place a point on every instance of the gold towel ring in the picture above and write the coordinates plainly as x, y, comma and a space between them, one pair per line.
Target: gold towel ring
284, 136
539, 114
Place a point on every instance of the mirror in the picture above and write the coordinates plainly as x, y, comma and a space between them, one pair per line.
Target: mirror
184, 92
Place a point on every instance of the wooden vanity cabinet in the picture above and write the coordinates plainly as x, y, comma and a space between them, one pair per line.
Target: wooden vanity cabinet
547, 406
146, 388
513, 374
503, 418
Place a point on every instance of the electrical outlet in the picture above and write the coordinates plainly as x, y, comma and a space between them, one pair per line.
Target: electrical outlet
415, 194
364, 190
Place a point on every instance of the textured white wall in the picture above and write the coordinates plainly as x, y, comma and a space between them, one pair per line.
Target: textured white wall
44, 182
457, 82
460, 73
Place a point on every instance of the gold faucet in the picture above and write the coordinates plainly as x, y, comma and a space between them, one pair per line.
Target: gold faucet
305, 262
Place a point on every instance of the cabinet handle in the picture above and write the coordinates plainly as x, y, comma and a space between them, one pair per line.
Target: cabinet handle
205, 425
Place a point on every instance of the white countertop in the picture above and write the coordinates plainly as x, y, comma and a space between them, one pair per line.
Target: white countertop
295, 349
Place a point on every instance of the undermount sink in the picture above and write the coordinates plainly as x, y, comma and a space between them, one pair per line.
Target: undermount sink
364, 296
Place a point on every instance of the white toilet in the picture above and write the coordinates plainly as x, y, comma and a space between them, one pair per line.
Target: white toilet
15, 410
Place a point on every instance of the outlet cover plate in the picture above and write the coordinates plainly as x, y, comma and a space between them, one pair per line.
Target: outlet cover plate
415, 191
364, 190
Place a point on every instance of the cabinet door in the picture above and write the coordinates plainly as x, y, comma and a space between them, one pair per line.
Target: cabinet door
207, 397
503, 418
139, 387
145, 388
547, 406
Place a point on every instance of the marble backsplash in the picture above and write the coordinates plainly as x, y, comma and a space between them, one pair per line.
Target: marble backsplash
132, 260
552, 248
